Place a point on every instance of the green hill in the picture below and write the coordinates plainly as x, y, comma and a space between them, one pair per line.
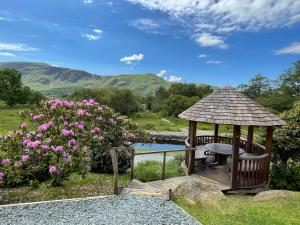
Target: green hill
57, 81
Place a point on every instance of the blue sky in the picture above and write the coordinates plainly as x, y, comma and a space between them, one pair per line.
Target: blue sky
215, 42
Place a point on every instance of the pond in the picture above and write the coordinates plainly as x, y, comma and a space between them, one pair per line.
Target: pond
158, 147
155, 147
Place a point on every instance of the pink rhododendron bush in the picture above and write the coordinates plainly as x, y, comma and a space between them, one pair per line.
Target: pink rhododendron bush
69, 136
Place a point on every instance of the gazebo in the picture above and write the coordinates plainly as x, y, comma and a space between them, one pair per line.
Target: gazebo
227, 106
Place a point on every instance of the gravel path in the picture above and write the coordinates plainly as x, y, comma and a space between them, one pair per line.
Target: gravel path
114, 210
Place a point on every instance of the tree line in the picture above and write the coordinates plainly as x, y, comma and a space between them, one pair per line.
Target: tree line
13, 92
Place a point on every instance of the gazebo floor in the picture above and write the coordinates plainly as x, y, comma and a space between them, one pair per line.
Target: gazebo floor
219, 174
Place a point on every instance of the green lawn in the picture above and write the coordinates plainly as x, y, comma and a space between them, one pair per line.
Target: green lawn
153, 121
243, 210
10, 118
93, 185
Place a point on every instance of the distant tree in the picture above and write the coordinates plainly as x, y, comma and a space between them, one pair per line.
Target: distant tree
148, 100
100, 95
256, 86
289, 82
176, 104
10, 86
124, 101
35, 97
189, 90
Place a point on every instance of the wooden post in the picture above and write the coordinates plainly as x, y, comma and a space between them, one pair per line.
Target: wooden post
114, 160
216, 133
164, 166
235, 154
269, 138
131, 164
192, 137
250, 139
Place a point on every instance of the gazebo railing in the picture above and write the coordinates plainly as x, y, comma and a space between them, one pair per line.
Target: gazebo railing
253, 168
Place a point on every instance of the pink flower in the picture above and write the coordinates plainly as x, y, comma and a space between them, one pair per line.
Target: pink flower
2, 175
58, 102
68, 104
52, 169
38, 116
43, 127
50, 124
80, 112
23, 126
45, 147
67, 132
89, 102
25, 157
26, 141
59, 148
39, 135
33, 144
5, 161
95, 130
72, 142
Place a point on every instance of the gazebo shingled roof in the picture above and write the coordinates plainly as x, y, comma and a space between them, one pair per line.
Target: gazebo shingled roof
229, 106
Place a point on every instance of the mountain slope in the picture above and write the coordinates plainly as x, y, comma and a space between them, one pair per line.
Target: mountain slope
57, 81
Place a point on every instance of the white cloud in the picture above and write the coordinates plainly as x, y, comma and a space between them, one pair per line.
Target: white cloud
214, 62
7, 54
91, 37
202, 56
88, 2
173, 78
95, 35
98, 31
16, 47
132, 59
293, 48
222, 17
208, 40
144, 24
161, 73
4, 18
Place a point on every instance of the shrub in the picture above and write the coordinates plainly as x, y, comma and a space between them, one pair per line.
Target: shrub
67, 137
285, 171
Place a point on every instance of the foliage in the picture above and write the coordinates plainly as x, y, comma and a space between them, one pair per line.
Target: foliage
67, 135
175, 104
244, 210
12, 91
121, 100
285, 171
278, 95
189, 90
151, 170
10, 86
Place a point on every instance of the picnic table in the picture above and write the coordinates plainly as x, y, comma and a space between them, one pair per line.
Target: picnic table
221, 152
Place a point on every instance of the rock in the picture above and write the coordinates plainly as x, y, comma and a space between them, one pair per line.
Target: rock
271, 194
196, 191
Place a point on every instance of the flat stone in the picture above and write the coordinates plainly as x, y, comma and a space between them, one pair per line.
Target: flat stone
272, 194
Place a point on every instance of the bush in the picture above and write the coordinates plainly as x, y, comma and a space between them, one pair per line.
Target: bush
285, 171
67, 137
152, 170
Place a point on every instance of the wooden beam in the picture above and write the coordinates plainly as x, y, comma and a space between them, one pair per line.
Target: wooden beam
216, 134
132, 164
250, 139
192, 137
114, 160
235, 154
164, 166
269, 138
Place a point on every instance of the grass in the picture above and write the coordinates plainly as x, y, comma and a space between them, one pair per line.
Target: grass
151, 170
153, 121
93, 185
10, 118
242, 210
